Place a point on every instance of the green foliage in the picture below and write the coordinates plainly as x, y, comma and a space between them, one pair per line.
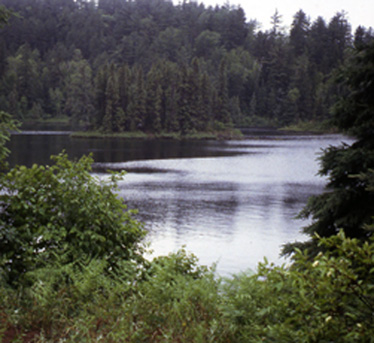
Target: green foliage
61, 212
178, 301
329, 298
5, 15
347, 202
173, 299
6, 125
59, 58
354, 111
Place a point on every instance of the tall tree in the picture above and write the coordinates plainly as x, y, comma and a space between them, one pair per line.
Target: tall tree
112, 103
153, 101
299, 33
137, 106
339, 33
347, 202
79, 89
101, 81
221, 108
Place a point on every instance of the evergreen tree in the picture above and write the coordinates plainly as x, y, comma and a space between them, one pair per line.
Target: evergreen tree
124, 84
299, 33
101, 81
319, 45
112, 103
184, 108
205, 103
136, 109
79, 89
153, 101
347, 202
221, 110
339, 34
264, 70
23, 80
171, 101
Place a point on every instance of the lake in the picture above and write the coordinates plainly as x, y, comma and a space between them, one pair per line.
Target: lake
228, 202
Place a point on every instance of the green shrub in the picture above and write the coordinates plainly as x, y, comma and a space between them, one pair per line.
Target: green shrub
61, 213
328, 299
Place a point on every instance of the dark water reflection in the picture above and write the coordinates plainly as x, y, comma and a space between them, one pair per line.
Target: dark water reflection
230, 202
31, 147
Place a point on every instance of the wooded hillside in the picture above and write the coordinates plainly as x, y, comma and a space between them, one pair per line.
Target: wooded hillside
148, 65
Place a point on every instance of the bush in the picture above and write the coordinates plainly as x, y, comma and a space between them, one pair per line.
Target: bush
61, 214
328, 299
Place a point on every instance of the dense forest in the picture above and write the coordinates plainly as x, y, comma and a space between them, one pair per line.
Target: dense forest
148, 65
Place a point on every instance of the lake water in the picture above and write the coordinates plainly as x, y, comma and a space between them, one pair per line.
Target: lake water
228, 202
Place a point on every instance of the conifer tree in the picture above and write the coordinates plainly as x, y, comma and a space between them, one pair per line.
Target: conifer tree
79, 89
110, 120
101, 81
222, 111
153, 101
205, 102
171, 100
136, 109
124, 84
347, 203
299, 33
184, 108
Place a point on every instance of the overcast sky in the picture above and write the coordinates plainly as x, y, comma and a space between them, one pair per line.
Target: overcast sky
359, 12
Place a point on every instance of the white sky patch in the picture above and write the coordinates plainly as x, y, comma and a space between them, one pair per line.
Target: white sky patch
358, 12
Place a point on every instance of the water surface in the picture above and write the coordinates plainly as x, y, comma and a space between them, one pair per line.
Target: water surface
228, 202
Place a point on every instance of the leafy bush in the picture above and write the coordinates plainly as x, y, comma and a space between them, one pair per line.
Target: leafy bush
328, 299
178, 302
6, 125
62, 213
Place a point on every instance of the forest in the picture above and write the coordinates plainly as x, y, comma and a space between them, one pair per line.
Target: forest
72, 255
151, 66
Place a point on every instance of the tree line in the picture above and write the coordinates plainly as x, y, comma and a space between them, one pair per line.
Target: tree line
117, 65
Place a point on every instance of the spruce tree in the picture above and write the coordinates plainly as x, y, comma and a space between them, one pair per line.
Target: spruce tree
347, 203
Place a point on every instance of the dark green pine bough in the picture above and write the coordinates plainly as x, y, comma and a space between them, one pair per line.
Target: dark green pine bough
347, 203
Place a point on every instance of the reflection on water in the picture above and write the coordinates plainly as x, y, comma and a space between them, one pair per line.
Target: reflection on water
230, 202
232, 209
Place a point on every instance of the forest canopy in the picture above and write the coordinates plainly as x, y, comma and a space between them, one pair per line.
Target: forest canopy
117, 65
